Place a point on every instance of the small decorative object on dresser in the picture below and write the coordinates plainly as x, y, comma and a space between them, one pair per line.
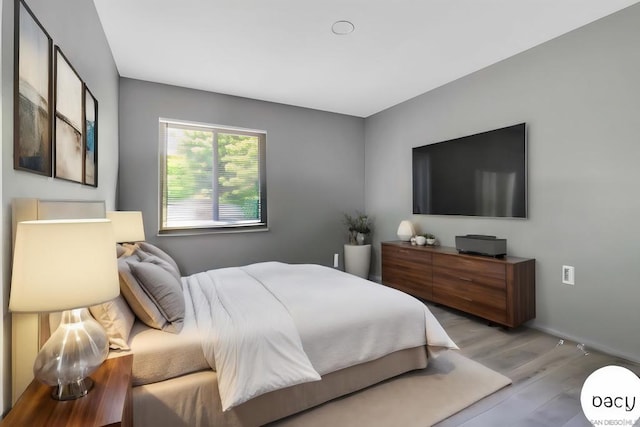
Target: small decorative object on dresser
500, 290
430, 239
406, 231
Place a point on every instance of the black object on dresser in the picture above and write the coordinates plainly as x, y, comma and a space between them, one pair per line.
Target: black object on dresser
478, 244
501, 290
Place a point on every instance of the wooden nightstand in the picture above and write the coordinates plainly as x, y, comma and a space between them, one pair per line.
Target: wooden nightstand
107, 404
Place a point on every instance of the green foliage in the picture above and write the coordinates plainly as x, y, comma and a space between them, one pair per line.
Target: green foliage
190, 169
360, 223
239, 176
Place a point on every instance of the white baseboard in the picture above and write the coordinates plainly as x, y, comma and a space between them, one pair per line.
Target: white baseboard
588, 343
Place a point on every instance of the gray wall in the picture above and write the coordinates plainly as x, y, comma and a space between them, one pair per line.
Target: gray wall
75, 27
580, 96
315, 172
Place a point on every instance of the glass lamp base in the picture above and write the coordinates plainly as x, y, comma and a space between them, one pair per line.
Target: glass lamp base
72, 391
72, 353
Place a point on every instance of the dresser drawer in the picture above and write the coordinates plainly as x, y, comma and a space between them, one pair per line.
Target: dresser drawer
411, 281
484, 301
408, 255
471, 307
463, 276
477, 267
491, 296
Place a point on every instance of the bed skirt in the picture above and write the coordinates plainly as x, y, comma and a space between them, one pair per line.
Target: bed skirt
193, 400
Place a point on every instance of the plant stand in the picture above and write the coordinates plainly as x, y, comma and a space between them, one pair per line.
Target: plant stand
357, 260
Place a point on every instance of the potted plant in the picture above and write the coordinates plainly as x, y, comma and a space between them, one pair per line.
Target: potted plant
357, 254
431, 239
359, 227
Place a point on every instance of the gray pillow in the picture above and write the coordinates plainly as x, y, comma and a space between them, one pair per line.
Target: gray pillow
154, 250
145, 257
137, 298
164, 290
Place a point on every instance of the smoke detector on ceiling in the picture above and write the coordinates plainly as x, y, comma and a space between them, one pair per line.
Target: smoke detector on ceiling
342, 28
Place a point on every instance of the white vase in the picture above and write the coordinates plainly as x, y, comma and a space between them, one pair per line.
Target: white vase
406, 231
360, 238
357, 260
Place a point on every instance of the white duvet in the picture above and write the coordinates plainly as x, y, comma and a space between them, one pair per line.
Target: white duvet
271, 325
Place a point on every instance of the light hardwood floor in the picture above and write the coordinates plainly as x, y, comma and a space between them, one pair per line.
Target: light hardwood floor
547, 376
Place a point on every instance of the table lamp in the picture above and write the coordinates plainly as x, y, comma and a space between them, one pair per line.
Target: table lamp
66, 265
406, 230
127, 226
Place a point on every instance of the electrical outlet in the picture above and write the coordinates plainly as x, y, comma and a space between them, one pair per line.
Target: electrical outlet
568, 275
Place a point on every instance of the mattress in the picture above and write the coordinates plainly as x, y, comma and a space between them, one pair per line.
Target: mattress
160, 355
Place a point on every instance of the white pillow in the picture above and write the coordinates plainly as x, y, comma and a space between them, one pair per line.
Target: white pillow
117, 319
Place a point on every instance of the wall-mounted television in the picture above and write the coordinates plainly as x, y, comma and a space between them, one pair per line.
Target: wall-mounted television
477, 175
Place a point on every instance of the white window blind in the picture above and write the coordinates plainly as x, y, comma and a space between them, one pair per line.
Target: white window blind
211, 177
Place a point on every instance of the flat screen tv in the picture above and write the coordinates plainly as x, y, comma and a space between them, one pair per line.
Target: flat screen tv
477, 175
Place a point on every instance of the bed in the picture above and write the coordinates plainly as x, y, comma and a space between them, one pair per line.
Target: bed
287, 338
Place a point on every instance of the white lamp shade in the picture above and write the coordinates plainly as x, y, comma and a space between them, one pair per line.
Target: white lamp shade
406, 231
63, 264
127, 225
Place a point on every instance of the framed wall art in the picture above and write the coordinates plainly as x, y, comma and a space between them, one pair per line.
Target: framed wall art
32, 93
90, 138
69, 118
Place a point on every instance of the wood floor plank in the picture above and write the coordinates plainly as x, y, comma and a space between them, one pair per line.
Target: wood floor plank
546, 361
556, 412
547, 376
578, 421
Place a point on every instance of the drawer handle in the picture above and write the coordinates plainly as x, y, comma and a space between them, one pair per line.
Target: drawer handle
467, 298
466, 279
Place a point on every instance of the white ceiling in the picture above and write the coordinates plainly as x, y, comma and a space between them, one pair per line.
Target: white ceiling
284, 51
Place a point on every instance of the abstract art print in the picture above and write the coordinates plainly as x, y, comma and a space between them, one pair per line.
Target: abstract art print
32, 94
90, 138
69, 126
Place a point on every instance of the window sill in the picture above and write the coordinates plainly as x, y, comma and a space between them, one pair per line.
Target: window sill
222, 230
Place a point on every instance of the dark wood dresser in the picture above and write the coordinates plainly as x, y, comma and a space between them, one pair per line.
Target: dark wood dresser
501, 290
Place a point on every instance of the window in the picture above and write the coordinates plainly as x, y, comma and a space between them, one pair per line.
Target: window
211, 178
